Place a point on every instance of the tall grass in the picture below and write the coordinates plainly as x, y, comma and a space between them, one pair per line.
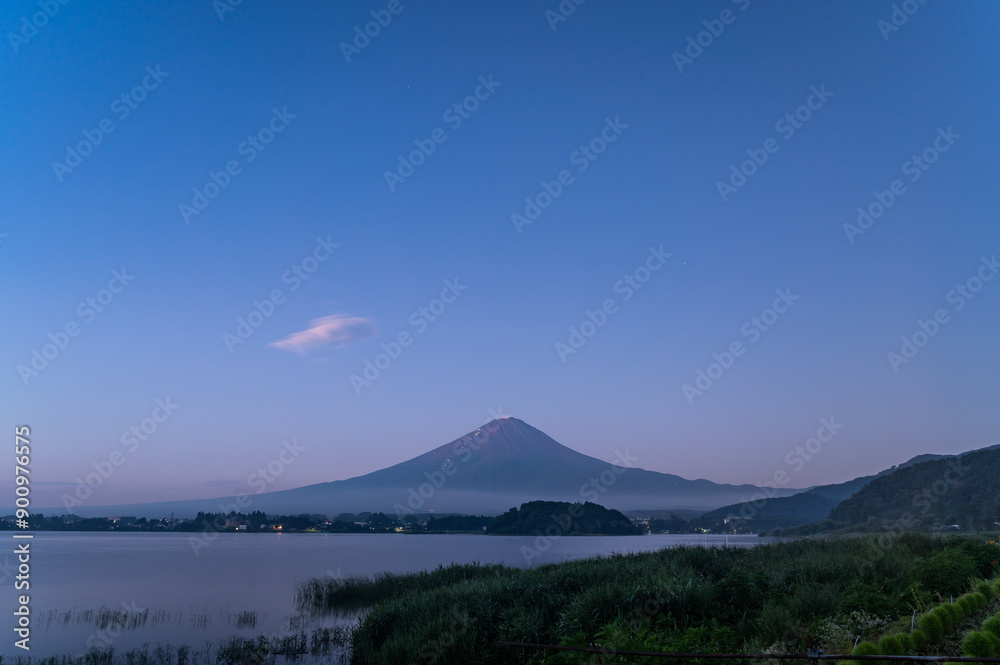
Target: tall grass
323, 646
775, 595
347, 595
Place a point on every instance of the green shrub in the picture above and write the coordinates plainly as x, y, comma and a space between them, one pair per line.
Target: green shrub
894, 644
979, 644
918, 640
931, 626
966, 604
986, 589
946, 618
862, 649
956, 613
992, 626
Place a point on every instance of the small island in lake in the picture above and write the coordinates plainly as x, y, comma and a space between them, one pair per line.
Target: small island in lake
562, 518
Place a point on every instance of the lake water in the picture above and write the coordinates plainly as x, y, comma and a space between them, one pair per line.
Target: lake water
193, 599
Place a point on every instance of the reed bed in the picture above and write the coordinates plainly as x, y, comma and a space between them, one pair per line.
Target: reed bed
776, 596
350, 594
321, 647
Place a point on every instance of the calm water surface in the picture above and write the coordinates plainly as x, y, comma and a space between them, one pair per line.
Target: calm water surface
193, 599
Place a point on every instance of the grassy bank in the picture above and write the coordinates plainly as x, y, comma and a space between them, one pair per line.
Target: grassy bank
792, 595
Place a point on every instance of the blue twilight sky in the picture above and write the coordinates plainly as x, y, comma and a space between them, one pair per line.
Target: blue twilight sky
679, 124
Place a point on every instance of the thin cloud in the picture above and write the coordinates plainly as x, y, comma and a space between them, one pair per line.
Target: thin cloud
338, 329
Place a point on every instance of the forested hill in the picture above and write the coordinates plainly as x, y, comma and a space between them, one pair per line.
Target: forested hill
766, 515
548, 517
963, 490
810, 506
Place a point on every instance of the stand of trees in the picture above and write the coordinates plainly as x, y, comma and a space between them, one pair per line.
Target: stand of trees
542, 517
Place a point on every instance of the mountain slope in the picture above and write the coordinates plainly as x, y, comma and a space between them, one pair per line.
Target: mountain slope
962, 490
780, 512
812, 505
841, 491
502, 464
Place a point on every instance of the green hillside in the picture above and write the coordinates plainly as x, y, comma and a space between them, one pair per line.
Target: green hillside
808, 507
766, 514
956, 492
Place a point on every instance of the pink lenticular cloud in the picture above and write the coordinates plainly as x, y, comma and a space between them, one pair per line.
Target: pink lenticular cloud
338, 329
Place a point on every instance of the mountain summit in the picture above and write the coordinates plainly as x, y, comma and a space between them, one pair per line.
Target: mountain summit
502, 464
503, 455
